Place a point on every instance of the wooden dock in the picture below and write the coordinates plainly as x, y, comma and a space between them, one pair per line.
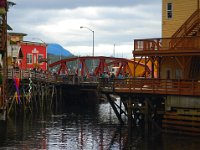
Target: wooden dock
38, 91
148, 97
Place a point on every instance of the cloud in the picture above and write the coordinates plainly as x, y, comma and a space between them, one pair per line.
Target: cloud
71, 4
113, 22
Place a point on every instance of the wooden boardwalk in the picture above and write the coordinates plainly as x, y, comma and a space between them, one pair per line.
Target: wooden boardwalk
151, 86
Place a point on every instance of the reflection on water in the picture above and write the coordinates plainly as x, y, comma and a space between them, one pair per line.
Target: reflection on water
76, 128
83, 129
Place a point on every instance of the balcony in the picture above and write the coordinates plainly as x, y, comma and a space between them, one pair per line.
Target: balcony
181, 46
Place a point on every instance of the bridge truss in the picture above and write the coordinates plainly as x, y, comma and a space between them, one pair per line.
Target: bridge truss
88, 65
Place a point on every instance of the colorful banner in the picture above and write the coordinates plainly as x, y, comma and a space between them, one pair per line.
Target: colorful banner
17, 82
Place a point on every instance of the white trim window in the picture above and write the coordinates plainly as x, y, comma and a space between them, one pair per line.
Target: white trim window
29, 58
169, 11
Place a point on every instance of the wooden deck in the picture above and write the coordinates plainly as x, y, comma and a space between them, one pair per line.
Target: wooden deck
187, 46
151, 86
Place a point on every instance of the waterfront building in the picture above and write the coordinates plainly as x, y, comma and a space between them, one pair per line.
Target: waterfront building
26, 54
175, 13
176, 58
34, 56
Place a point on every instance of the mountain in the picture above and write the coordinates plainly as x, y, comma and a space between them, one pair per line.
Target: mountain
58, 50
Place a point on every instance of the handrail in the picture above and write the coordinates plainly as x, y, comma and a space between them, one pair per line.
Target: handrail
156, 44
190, 21
48, 77
154, 86
186, 28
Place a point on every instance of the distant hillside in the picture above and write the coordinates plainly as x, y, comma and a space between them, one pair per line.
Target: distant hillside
53, 58
58, 50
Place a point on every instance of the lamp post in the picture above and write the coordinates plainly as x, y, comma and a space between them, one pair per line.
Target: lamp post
92, 44
92, 38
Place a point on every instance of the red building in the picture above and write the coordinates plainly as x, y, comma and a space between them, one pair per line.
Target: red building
34, 55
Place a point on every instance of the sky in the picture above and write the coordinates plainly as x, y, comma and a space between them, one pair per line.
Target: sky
116, 23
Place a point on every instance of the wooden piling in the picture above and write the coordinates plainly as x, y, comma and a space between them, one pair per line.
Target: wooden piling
130, 120
146, 118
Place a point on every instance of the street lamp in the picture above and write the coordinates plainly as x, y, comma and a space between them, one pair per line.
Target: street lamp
92, 38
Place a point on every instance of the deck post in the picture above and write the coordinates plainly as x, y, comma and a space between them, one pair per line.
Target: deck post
115, 109
146, 117
130, 120
60, 98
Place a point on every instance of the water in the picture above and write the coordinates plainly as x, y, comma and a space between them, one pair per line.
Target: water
83, 128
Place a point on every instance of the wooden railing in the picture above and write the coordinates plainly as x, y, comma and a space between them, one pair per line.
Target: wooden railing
161, 44
49, 77
151, 86
187, 26
37, 75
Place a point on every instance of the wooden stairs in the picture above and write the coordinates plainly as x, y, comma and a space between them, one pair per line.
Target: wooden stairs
182, 121
190, 28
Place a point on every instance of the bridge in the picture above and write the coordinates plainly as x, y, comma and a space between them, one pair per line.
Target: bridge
95, 66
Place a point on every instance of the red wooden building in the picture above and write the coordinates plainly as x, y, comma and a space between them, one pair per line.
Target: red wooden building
34, 55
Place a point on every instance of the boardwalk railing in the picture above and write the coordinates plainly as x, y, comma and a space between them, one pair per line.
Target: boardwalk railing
49, 77
26, 74
151, 86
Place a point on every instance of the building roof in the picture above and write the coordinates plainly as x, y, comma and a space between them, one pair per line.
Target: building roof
17, 34
33, 43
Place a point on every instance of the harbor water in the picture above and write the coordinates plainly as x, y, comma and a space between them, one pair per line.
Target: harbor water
83, 128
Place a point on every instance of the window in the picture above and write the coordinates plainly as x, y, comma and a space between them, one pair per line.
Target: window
40, 57
169, 10
140, 45
29, 58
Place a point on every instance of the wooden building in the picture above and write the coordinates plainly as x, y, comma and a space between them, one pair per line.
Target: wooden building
34, 56
13, 47
175, 13
176, 57
26, 54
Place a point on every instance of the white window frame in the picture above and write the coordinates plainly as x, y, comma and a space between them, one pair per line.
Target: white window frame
29, 58
169, 11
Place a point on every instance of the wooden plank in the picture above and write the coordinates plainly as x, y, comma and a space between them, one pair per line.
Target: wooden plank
183, 123
182, 128
189, 118
181, 132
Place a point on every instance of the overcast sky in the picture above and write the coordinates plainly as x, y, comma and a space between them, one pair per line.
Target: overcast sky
116, 22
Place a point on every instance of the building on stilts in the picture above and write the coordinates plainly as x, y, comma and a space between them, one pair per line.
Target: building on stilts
168, 97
